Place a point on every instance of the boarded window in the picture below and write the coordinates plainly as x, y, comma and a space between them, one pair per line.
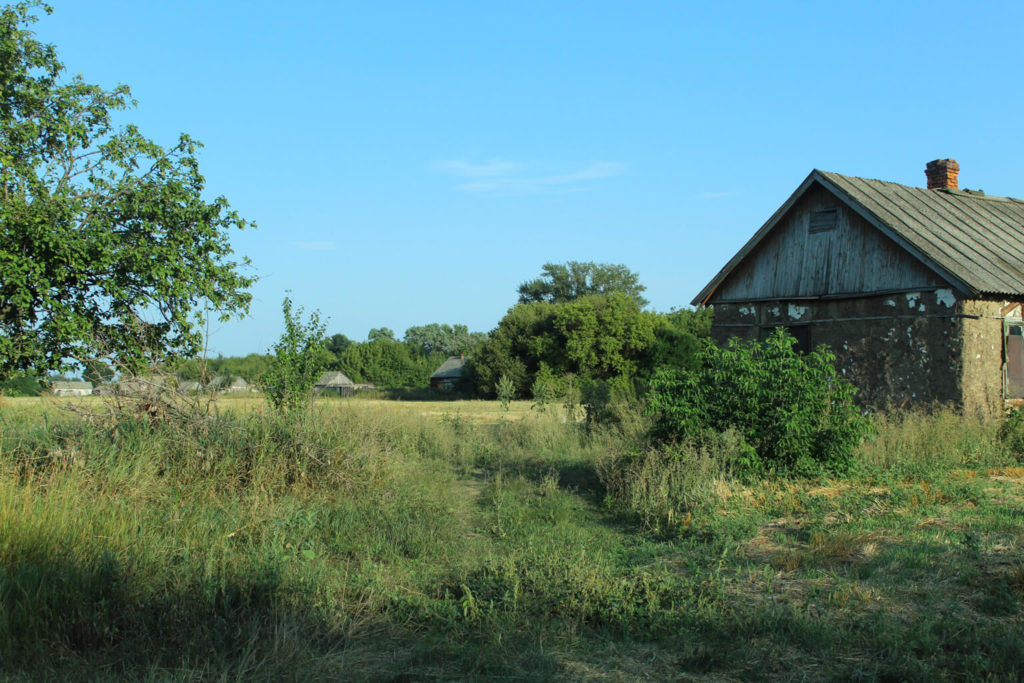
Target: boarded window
1013, 351
826, 219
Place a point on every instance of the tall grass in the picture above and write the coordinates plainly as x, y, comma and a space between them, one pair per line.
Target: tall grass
361, 540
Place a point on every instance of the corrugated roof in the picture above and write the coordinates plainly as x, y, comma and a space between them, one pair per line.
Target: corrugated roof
450, 369
333, 379
973, 240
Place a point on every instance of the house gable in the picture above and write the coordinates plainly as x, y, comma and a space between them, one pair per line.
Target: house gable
819, 245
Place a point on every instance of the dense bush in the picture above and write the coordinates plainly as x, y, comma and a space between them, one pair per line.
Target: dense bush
795, 410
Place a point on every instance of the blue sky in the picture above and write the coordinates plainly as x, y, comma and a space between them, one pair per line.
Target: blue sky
413, 162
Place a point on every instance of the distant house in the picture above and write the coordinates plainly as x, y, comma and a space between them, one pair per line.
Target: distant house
335, 383
71, 388
225, 385
450, 372
917, 291
189, 387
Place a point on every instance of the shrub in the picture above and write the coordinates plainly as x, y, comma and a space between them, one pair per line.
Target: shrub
297, 360
795, 410
506, 391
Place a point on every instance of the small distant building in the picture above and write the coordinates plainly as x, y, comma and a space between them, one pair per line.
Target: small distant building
189, 387
335, 383
366, 386
71, 388
237, 386
447, 376
225, 385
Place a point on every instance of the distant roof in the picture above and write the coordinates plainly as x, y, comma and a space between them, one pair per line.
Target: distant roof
333, 379
973, 240
450, 369
70, 385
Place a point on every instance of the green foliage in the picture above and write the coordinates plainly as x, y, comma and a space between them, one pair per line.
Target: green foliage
296, 362
1011, 433
563, 283
337, 343
388, 364
107, 245
381, 334
250, 367
450, 340
593, 337
23, 383
506, 390
617, 403
525, 338
795, 410
545, 387
604, 336
677, 339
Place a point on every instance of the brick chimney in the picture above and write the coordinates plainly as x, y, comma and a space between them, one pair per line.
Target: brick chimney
942, 174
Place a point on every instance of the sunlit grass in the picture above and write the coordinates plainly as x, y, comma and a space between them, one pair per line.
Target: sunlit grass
376, 539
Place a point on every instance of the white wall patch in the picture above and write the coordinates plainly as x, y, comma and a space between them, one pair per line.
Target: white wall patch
945, 297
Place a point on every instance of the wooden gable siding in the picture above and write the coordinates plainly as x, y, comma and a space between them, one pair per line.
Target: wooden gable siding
852, 259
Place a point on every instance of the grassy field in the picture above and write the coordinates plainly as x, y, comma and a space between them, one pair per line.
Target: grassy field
381, 540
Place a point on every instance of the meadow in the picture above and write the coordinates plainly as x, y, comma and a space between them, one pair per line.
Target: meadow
386, 540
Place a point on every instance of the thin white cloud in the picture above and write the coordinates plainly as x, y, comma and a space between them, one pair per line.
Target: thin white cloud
499, 177
315, 246
714, 195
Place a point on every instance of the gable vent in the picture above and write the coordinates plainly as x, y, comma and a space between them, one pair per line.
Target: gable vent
827, 219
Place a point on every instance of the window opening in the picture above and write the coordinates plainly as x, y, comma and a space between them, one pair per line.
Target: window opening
824, 220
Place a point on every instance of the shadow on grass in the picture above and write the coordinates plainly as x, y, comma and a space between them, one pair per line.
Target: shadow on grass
63, 620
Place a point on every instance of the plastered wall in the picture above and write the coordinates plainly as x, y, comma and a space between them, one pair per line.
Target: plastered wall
900, 350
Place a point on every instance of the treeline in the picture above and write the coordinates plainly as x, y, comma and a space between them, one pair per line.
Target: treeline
577, 324
382, 359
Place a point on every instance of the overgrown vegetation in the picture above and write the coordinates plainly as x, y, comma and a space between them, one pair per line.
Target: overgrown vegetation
794, 412
358, 540
296, 361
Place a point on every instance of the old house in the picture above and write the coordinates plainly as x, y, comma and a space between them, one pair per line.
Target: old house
71, 388
918, 291
335, 383
448, 374
225, 384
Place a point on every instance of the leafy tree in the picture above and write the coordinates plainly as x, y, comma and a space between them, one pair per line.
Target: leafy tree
593, 337
250, 367
296, 361
447, 339
604, 336
525, 338
107, 246
677, 339
388, 363
381, 333
795, 411
337, 343
563, 283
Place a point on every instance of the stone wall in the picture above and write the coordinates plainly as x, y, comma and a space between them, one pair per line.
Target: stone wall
982, 342
898, 349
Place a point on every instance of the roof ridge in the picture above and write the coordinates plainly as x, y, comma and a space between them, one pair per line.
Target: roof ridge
965, 193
